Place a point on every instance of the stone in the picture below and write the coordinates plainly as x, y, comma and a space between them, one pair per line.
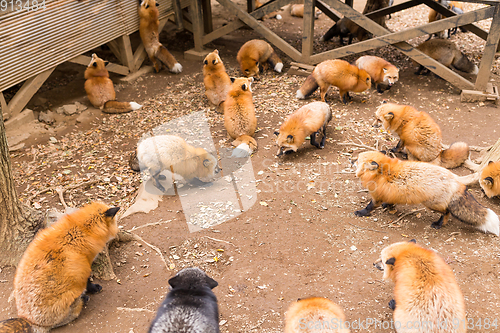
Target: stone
80, 107
47, 117
70, 109
21, 119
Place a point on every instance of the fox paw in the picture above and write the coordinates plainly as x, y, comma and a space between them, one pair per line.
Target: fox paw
93, 288
392, 305
362, 212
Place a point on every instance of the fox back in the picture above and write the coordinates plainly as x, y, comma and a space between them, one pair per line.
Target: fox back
380, 70
217, 82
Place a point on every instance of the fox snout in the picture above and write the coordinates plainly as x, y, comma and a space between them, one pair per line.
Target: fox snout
217, 169
281, 151
379, 265
377, 123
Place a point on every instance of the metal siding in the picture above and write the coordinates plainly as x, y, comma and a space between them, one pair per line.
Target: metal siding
32, 42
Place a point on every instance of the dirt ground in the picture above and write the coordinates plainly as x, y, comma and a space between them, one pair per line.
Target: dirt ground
300, 237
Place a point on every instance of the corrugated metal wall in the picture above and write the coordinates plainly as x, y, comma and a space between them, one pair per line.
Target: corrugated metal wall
32, 42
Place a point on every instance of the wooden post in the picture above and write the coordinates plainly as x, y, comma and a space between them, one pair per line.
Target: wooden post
489, 52
250, 6
207, 16
28, 89
308, 31
197, 20
125, 50
5, 108
178, 15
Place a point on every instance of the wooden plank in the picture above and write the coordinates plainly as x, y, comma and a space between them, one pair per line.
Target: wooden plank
489, 52
111, 67
449, 13
327, 10
5, 108
207, 16
261, 29
294, 70
127, 56
140, 53
28, 89
308, 31
197, 20
306, 66
404, 47
178, 14
391, 38
393, 9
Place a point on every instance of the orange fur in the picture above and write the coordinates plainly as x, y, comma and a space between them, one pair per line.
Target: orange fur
16, 325
315, 315
254, 53
338, 73
239, 113
425, 290
393, 181
298, 11
274, 14
309, 120
490, 179
381, 71
148, 30
100, 90
53, 272
217, 82
420, 135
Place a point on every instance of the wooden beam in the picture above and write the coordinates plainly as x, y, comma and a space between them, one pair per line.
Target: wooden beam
28, 89
5, 108
393, 9
178, 14
113, 46
489, 52
391, 38
197, 19
125, 49
327, 10
308, 31
207, 16
261, 29
250, 6
111, 67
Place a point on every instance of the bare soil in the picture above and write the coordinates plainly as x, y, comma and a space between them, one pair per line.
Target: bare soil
300, 238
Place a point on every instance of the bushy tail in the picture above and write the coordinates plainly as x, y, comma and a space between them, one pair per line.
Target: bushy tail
133, 162
168, 59
245, 145
465, 65
276, 62
465, 208
16, 325
120, 107
332, 32
309, 86
454, 156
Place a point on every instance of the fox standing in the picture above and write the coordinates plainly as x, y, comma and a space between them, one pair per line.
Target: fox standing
392, 181
239, 114
337, 73
490, 179
53, 274
425, 290
309, 120
255, 54
382, 72
100, 90
148, 29
217, 82
447, 53
420, 136
314, 315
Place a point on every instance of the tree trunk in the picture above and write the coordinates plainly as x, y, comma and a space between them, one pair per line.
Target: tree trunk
491, 154
18, 222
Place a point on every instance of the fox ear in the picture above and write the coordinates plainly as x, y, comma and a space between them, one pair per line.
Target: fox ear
216, 51
373, 166
106, 62
111, 212
289, 138
244, 87
94, 64
211, 282
173, 282
414, 241
385, 70
206, 163
233, 79
205, 62
389, 116
490, 162
488, 182
276, 133
390, 261
147, 6
157, 4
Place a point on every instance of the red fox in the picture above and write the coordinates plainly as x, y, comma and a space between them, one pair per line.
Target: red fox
217, 82
257, 53
148, 30
455, 6
420, 136
345, 28
309, 120
52, 278
425, 290
392, 181
274, 14
337, 73
298, 11
490, 179
100, 90
447, 53
315, 315
162, 152
382, 72
239, 114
